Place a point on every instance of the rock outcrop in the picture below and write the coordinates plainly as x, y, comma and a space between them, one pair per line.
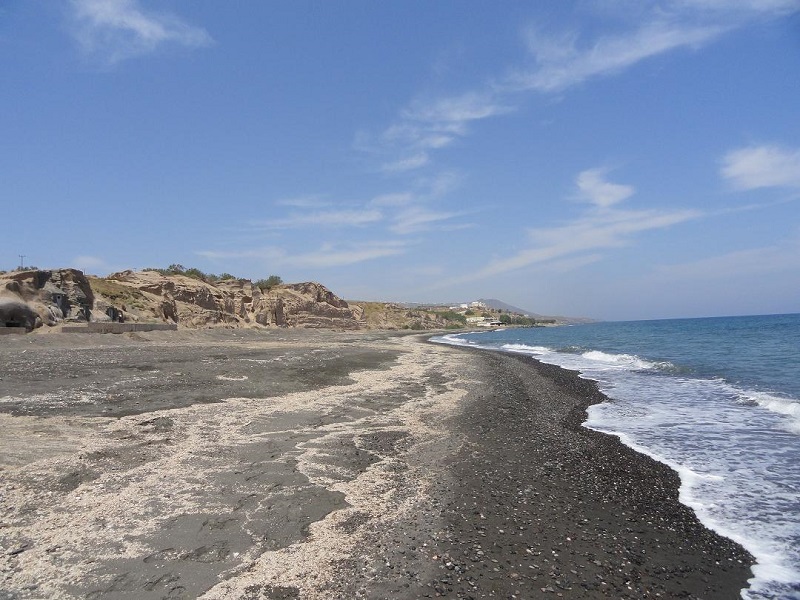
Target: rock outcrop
304, 305
232, 302
32, 298
16, 313
54, 296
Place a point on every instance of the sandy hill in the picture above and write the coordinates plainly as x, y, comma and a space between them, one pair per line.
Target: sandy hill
35, 298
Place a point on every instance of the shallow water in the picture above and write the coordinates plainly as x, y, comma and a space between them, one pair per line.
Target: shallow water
717, 399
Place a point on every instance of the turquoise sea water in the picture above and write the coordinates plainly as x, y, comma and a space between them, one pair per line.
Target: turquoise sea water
717, 399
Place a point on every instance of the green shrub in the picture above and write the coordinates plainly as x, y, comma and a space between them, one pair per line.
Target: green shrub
268, 283
451, 315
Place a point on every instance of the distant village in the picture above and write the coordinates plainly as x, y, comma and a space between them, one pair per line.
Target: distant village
481, 314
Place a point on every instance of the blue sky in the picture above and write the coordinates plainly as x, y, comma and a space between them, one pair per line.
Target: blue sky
616, 159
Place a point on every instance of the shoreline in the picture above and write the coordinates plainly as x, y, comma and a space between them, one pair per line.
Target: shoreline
601, 519
309, 464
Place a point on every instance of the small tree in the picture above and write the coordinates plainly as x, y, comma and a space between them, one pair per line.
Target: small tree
268, 283
194, 274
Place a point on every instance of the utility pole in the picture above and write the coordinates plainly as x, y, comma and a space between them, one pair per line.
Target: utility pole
21, 261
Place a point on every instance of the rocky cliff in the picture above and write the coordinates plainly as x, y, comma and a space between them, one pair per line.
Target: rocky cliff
33, 298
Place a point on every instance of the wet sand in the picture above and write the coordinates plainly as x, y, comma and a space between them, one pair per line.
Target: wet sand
310, 464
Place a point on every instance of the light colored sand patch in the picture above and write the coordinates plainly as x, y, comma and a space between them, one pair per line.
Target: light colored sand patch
29, 439
382, 493
165, 474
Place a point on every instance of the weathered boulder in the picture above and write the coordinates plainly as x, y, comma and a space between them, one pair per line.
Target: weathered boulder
55, 295
16, 313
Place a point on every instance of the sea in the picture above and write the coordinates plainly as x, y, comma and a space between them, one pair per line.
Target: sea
717, 399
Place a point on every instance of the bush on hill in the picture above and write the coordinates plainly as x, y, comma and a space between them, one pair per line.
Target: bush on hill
268, 283
194, 273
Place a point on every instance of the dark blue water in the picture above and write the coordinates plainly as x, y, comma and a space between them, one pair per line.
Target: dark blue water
717, 399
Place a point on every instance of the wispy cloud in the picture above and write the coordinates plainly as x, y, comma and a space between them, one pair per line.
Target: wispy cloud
417, 218
763, 166
560, 63
611, 229
407, 163
450, 115
115, 30
331, 218
432, 124
766, 7
340, 255
328, 255
580, 242
566, 59
310, 201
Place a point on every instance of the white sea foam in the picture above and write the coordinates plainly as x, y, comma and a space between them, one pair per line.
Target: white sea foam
727, 444
777, 404
454, 339
525, 349
730, 456
621, 361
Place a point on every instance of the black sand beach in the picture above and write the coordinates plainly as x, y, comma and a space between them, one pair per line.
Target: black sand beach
308, 464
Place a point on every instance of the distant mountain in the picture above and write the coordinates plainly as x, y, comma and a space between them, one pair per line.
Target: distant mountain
500, 305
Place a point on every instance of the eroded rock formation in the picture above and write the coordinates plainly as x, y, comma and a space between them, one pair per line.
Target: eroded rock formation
233, 302
32, 298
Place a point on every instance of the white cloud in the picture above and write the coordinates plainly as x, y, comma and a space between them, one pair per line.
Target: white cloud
407, 163
561, 64
768, 7
561, 61
762, 166
416, 219
115, 30
332, 218
433, 124
594, 232
596, 190
311, 201
580, 242
331, 255
326, 256
457, 110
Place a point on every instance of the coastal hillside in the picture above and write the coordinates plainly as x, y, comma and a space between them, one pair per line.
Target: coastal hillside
35, 298
48, 298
